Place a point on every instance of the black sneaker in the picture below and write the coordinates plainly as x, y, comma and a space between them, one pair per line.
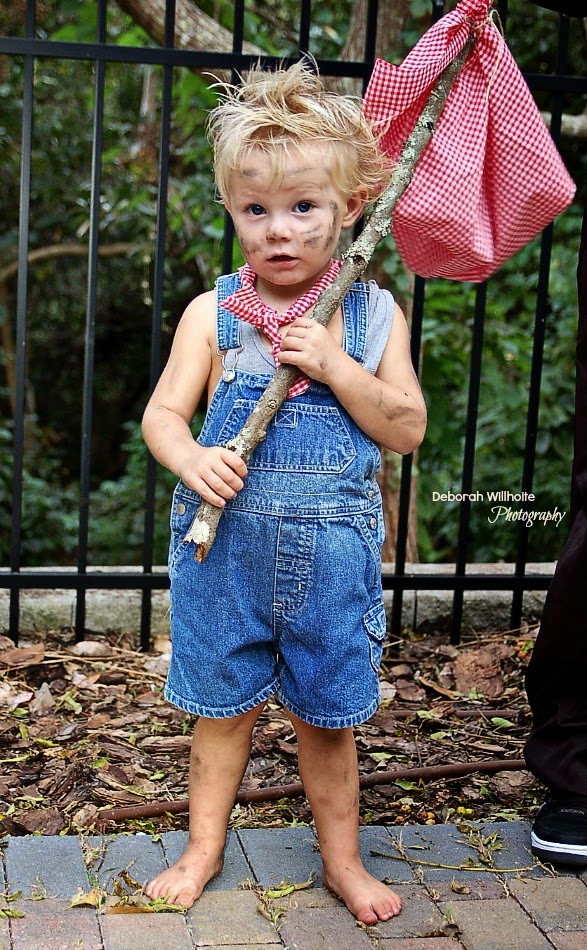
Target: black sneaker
559, 832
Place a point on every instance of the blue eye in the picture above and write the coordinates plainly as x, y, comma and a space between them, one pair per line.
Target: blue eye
304, 206
256, 210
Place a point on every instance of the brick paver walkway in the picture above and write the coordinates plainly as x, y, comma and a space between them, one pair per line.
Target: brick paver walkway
476, 887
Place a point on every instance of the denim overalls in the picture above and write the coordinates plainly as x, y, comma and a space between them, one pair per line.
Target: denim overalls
288, 600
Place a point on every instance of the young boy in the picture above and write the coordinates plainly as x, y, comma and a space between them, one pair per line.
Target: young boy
288, 601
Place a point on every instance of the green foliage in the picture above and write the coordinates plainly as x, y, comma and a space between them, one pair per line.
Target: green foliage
49, 514
117, 509
504, 392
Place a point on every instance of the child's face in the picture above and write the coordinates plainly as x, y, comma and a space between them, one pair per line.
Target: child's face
288, 233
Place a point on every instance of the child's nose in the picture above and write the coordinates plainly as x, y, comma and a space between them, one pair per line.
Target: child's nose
278, 228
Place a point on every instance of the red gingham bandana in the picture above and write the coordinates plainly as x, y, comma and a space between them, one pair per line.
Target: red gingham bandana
246, 304
491, 178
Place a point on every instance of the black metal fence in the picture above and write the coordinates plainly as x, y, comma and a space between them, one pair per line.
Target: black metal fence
32, 47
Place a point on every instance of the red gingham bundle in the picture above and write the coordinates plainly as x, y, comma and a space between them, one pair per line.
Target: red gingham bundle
491, 177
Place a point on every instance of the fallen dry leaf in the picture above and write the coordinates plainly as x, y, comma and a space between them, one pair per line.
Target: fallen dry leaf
479, 671
91, 648
48, 821
93, 898
388, 691
43, 701
459, 888
85, 817
409, 691
511, 786
22, 656
13, 700
158, 664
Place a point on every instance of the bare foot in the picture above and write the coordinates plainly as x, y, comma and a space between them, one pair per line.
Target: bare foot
368, 899
185, 880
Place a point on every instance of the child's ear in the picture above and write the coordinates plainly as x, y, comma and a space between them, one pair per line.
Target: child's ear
355, 206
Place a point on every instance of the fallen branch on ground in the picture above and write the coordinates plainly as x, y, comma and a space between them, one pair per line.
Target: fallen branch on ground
277, 792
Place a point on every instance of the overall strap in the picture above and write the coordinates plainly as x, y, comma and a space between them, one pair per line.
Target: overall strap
355, 311
227, 325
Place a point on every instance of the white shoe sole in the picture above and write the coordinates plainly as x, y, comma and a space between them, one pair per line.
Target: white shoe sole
560, 849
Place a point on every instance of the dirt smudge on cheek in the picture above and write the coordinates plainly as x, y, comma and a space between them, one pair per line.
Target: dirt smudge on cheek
312, 238
248, 247
331, 237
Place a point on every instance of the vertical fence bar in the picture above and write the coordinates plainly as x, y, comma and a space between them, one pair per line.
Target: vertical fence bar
542, 308
90, 331
371, 34
227, 245
502, 9
228, 240
157, 314
532, 416
437, 10
469, 457
238, 30
305, 23
405, 488
369, 57
238, 34
21, 321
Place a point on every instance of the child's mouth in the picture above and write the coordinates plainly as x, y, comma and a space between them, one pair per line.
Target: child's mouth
282, 259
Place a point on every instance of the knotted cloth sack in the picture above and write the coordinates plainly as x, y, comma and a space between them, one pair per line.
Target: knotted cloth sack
490, 178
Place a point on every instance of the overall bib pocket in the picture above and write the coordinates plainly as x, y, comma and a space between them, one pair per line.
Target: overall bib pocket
318, 439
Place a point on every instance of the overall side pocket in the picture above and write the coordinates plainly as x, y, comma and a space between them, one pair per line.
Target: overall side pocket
375, 624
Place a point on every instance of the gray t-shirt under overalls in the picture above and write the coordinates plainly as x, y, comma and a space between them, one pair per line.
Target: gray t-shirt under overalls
288, 600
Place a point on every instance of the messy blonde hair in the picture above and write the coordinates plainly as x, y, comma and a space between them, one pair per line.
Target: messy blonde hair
274, 111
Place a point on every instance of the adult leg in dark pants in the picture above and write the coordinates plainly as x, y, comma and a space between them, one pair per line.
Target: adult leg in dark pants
556, 680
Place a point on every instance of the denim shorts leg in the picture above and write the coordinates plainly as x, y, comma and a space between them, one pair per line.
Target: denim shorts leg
223, 660
330, 618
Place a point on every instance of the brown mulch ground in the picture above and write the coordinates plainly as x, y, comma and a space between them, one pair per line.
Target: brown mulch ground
85, 727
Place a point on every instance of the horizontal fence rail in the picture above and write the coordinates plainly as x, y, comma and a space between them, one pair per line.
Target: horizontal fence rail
142, 580
31, 48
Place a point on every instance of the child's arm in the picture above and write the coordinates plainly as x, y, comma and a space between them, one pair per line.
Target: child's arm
215, 473
389, 407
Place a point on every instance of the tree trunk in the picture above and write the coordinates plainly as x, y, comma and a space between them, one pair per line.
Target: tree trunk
194, 29
392, 16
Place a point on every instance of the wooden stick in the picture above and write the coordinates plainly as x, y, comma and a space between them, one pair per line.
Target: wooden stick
203, 529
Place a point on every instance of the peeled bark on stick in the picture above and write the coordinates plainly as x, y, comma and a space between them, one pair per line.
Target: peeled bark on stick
203, 529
